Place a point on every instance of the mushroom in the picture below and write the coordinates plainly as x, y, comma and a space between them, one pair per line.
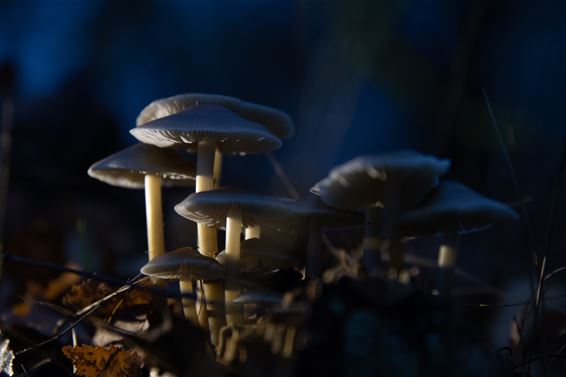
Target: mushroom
274, 120
234, 209
144, 166
452, 209
258, 299
185, 264
392, 181
212, 129
238, 209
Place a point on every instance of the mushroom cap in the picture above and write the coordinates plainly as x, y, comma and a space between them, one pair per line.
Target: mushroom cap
184, 263
128, 167
212, 207
399, 179
274, 120
256, 297
452, 205
262, 254
234, 135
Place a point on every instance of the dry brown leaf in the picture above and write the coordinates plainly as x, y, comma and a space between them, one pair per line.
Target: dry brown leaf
89, 291
110, 361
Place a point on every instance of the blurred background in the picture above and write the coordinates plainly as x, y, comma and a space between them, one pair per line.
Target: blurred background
357, 77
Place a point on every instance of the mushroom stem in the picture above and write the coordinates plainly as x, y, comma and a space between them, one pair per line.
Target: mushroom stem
207, 241
189, 307
447, 255
154, 216
200, 304
233, 231
252, 232
217, 167
313, 248
372, 241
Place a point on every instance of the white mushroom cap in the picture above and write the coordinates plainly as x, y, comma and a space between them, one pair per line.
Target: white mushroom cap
233, 134
184, 263
212, 207
453, 206
128, 167
274, 120
401, 179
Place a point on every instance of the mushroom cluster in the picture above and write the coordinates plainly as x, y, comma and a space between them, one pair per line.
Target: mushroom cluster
399, 194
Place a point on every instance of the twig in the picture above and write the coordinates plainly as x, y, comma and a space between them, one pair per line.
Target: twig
81, 315
278, 169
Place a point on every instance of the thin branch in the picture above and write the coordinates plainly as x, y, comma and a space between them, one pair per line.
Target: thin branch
81, 315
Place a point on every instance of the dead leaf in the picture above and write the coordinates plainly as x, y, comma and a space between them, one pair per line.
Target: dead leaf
89, 291
110, 361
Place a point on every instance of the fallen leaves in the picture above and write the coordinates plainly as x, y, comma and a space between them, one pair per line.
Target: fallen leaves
110, 361
89, 291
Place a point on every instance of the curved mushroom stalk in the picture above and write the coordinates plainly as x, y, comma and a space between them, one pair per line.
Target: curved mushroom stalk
252, 232
233, 231
447, 254
154, 216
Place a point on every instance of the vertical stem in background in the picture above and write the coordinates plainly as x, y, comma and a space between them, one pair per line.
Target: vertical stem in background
207, 242
233, 230
313, 249
189, 306
154, 216
217, 168
372, 242
447, 255
252, 232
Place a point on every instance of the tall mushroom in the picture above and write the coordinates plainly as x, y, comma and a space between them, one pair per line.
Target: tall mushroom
391, 182
146, 167
450, 209
210, 128
143, 166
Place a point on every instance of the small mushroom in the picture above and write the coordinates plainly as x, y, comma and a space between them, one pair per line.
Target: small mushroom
186, 265
145, 166
451, 209
392, 181
257, 300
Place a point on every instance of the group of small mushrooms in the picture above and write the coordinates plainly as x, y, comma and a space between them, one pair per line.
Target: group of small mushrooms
398, 193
